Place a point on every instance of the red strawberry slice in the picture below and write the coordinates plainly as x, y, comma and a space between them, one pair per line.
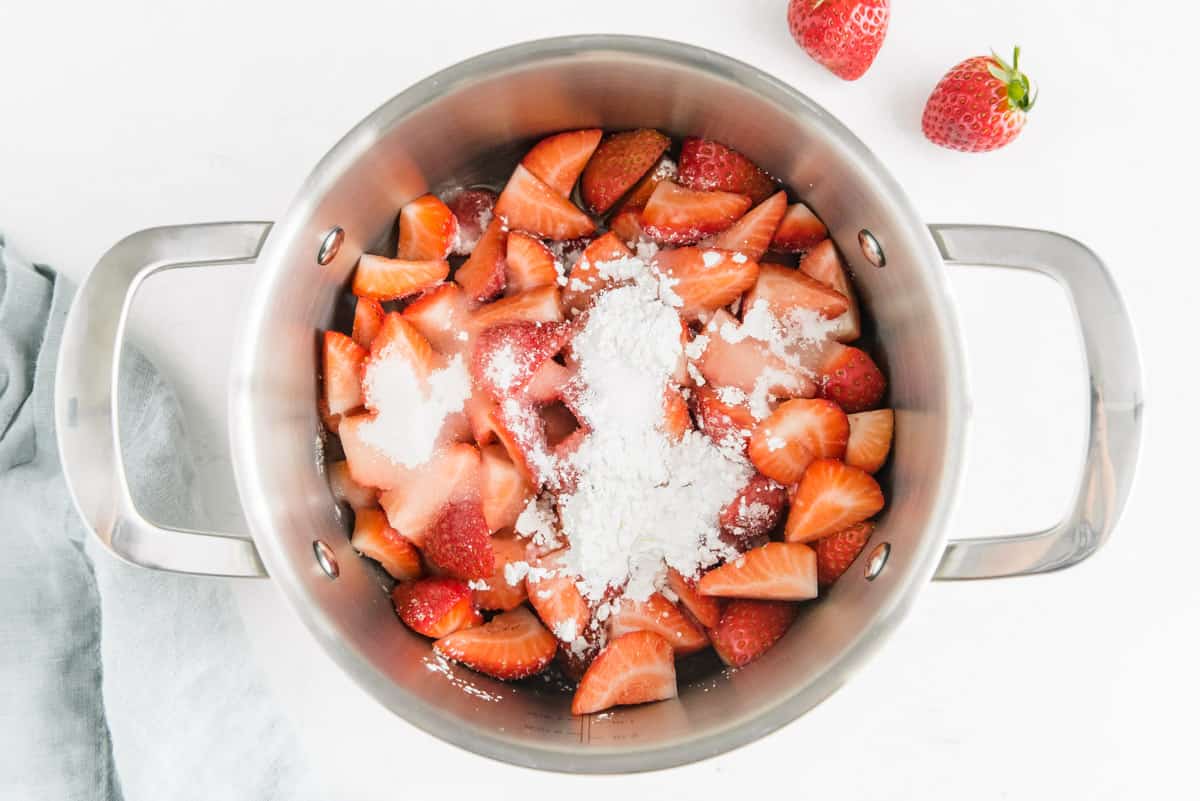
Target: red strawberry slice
346, 489
727, 424
539, 304
635, 668
731, 358
528, 204
558, 160
522, 432
529, 264
797, 432
375, 539
398, 339
585, 280
748, 629
663, 170
549, 382
676, 215
658, 615
482, 275
500, 595
391, 279
831, 496
824, 264
557, 600
618, 163
507, 355
368, 319
677, 420
799, 230
513, 645
784, 289
838, 551
428, 229
704, 608
473, 210
751, 235
842, 35
705, 164
705, 279
459, 543
870, 439
754, 513
680, 374
626, 225
441, 314
435, 606
479, 409
777, 571
342, 373
369, 466
416, 501
503, 488
850, 378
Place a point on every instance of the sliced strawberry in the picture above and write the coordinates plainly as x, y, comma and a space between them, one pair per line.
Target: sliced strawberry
727, 424
440, 314
528, 264
680, 374
824, 264
635, 668
705, 164
777, 571
346, 489
836, 552
459, 543
375, 539
704, 608
548, 382
390, 279
785, 289
522, 432
330, 421
751, 235
734, 359
482, 275
870, 439
662, 617
627, 225
618, 163
528, 204
558, 160
342, 373
830, 497
428, 229
369, 466
416, 501
558, 601
585, 280
368, 319
541, 303
500, 595
479, 409
513, 645
850, 378
799, 230
503, 488
748, 629
676, 421
705, 279
797, 432
754, 513
435, 606
473, 210
676, 215
663, 170
398, 339
507, 355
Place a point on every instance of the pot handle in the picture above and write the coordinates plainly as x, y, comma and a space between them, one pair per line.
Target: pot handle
1115, 404
85, 398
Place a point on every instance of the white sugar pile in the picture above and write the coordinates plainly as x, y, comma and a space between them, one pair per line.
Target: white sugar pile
410, 411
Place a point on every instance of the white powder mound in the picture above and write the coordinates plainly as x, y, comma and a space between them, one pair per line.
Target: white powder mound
411, 412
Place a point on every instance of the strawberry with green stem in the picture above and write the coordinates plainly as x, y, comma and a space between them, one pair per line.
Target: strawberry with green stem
980, 104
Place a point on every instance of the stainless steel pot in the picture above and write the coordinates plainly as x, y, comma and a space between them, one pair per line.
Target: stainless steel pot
450, 128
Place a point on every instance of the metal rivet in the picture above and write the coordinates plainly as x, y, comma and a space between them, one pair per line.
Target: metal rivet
330, 245
326, 559
877, 559
871, 248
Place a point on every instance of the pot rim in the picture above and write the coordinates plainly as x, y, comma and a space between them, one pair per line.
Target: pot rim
600, 759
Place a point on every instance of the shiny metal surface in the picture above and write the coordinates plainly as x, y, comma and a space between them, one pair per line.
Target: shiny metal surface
330, 245
1115, 401
85, 398
326, 559
871, 249
877, 560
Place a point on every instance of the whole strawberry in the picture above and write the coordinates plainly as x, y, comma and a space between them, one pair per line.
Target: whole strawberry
981, 104
844, 35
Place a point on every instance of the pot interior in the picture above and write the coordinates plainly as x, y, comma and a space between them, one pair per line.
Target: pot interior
469, 124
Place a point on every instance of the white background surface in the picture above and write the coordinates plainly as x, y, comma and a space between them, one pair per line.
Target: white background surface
128, 114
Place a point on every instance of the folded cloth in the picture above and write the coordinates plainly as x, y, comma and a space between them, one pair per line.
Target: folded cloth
164, 701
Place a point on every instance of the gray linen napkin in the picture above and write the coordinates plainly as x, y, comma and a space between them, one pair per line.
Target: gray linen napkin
188, 715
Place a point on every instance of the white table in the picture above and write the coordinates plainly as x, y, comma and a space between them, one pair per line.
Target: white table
136, 113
